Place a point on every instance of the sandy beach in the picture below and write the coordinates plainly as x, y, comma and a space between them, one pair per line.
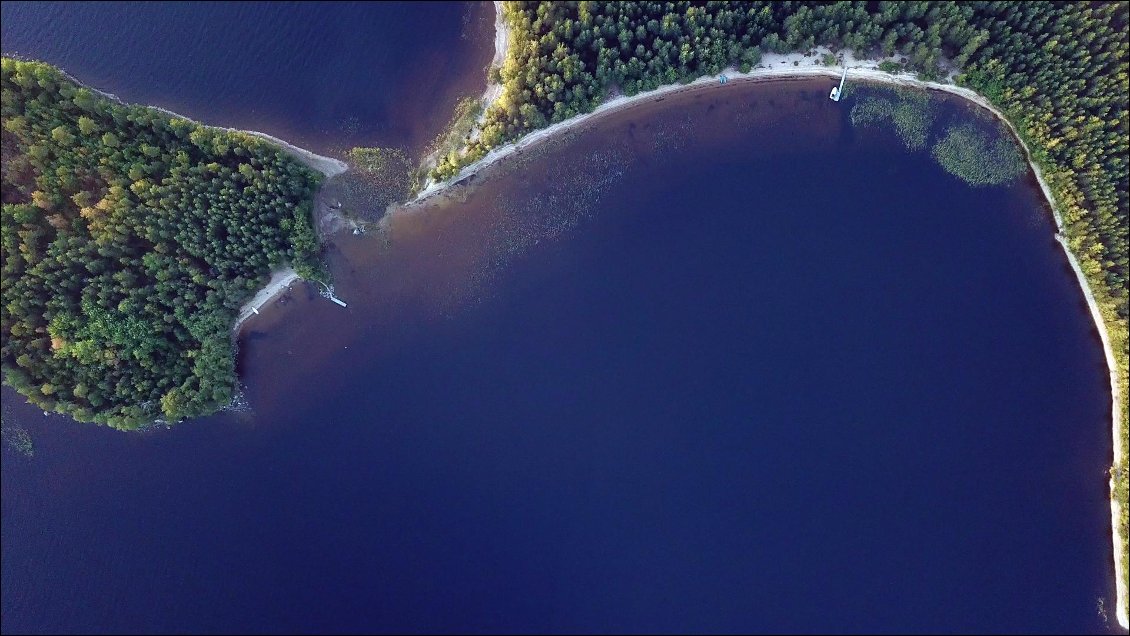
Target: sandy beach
797, 65
1117, 430
772, 67
280, 282
493, 90
328, 166
501, 44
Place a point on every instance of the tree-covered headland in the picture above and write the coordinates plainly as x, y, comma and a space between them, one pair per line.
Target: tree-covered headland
1057, 70
130, 238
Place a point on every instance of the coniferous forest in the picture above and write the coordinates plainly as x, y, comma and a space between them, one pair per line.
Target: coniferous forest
130, 239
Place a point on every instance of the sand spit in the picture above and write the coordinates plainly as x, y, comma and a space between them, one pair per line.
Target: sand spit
501, 44
280, 282
328, 166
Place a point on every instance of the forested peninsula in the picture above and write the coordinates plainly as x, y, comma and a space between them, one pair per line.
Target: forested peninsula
1057, 73
130, 238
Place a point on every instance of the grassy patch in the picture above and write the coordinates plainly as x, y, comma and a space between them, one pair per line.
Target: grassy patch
977, 158
380, 177
889, 66
909, 110
449, 145
17, 439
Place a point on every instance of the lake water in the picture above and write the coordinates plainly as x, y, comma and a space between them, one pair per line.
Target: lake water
325, 76
721, 363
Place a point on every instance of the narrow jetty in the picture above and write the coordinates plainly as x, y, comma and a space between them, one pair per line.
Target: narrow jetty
328, 293
837, 93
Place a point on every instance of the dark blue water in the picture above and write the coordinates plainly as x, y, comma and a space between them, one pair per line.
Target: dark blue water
322, 75
719, 364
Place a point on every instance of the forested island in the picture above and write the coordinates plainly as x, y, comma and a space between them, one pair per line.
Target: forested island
130, 238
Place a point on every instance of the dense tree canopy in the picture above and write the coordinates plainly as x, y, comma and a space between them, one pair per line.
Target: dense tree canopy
130, 238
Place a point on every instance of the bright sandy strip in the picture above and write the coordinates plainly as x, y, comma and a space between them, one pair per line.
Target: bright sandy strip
782, 67
1119, 574
1116, 415
501, 42
493, 90
280, 281
328, 166
501, 35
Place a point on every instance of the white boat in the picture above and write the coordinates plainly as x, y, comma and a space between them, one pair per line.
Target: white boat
837, 93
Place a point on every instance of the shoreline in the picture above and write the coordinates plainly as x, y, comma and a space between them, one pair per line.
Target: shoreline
781, 67
501, 36
280, 282
1117, 429
501, 46
493, 90
327, 166
772, 67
